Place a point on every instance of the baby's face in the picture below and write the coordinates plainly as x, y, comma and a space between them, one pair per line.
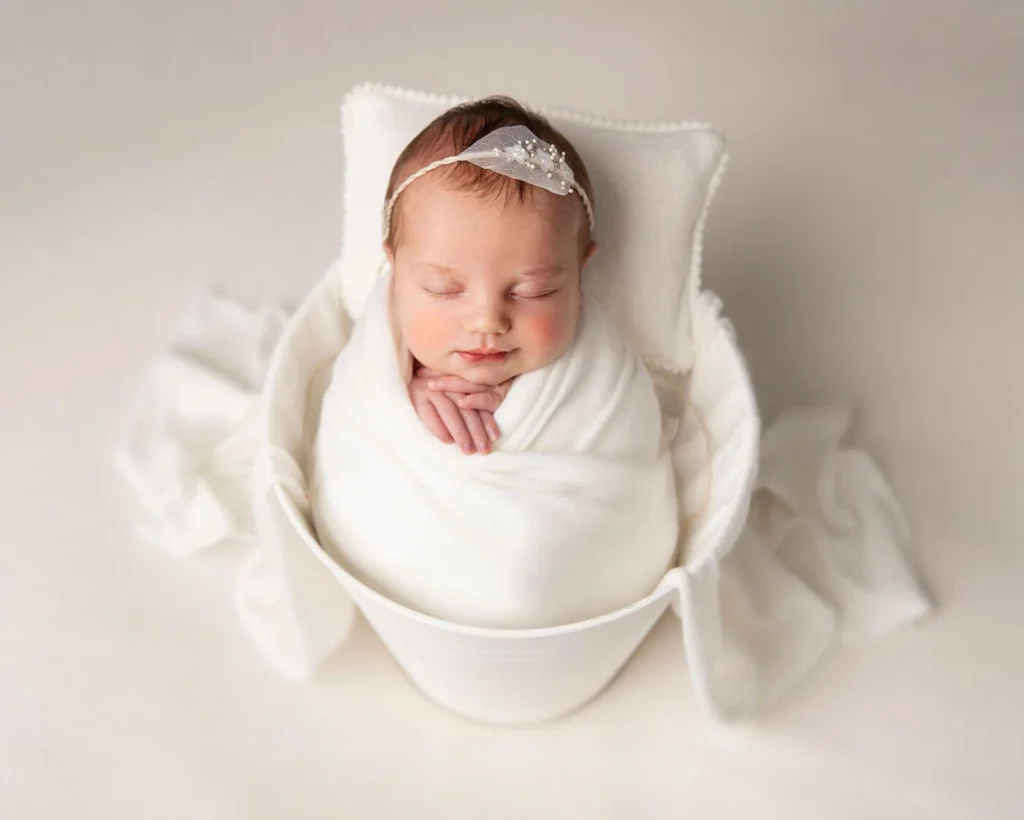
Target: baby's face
485, 289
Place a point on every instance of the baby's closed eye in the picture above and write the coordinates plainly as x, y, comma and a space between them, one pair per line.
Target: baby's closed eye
443, 291
533, 293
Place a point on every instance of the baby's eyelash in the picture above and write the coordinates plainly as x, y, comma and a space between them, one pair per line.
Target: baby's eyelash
453, 294
542, 295
449, 294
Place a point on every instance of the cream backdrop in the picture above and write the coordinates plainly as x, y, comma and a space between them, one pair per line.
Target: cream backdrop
868, 244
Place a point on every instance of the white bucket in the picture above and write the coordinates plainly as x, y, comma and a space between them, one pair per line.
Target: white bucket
524, 675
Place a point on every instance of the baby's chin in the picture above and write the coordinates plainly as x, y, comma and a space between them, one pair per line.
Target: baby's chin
488, 374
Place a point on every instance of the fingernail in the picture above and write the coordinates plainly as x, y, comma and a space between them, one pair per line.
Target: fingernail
492, 435
433, 384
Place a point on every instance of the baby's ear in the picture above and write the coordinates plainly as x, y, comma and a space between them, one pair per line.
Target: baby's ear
390, 254
588, 252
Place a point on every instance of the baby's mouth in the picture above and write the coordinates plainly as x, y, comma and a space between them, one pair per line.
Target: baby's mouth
484, 356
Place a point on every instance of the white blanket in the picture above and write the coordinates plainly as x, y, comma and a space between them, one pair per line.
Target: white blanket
821, 559
574, 515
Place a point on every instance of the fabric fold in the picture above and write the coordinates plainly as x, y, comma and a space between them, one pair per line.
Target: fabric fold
194, 427
822, 559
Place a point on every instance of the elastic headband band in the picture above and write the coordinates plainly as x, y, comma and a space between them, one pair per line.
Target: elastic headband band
513, 151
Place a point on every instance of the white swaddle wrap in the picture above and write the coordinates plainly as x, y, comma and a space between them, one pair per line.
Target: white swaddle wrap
573, 515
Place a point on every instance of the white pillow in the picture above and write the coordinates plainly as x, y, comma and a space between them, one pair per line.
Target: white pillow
652, 184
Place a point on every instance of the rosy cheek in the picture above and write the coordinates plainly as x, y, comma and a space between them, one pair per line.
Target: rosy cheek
546, 331
427, 330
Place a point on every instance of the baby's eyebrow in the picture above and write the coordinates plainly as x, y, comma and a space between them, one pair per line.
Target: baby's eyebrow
542, 270
436, 267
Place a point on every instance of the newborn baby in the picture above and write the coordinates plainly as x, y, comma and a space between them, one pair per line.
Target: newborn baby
489, 450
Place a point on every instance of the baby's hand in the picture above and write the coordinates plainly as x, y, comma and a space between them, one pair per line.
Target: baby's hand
456, 410
467, 395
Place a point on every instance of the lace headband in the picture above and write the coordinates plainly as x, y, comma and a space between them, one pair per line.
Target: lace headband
513, 151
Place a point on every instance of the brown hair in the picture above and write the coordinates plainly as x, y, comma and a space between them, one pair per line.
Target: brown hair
458, 128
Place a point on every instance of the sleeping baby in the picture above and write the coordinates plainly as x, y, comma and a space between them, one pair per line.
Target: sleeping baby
490, 452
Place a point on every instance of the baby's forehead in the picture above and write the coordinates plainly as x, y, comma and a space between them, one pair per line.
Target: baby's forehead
439, 196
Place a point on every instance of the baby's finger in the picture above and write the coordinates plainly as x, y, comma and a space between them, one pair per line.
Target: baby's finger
476, 429
490, 425
454, 384
480, 401
428, 415
454, 422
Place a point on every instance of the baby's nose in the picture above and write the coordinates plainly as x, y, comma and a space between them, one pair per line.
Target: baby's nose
487, 318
